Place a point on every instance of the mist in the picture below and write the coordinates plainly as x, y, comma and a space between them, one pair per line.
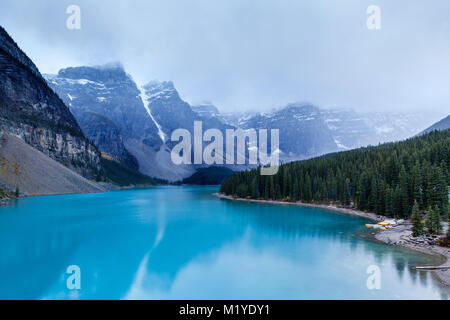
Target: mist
254, 55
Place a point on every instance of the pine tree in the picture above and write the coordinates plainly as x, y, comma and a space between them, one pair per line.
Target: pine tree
266, 190
429, 187
372, 202
381, 198
272, 189
416, 219
295, 192
277, 192
404, 196
285, 183
442, 191
308, 188
396, 202
429, 221
253, 189
388, 201
417, 187
363, 196
436, 220
242, 190
347, 192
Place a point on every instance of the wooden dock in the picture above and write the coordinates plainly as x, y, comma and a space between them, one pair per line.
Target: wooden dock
432, 267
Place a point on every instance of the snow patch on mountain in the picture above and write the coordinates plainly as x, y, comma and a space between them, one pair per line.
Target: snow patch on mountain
145, 99
156, 89
340, 145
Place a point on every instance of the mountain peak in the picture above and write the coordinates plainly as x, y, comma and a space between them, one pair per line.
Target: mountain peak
31, 110
156, 89
304, 107
206, 109
114, 72
8, 45
159, 85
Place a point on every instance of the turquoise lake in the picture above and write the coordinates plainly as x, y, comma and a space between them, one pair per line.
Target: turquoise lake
184, 243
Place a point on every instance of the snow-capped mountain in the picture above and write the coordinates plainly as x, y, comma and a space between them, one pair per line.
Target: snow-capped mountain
29, 109
107, 90
134, 123
352, 130
167, 108
109, 107
206, 110
171, 112
303, 131
106, 103
129, 122
307, 131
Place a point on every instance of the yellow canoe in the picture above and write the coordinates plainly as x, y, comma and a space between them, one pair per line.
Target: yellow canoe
385, 223
375, 226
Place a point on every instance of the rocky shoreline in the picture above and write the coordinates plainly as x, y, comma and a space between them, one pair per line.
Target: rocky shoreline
4, 202
399, 235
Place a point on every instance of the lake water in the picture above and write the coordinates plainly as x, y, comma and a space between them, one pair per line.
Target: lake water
183, 243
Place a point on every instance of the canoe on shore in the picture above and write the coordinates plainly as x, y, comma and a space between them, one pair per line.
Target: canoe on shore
375, 226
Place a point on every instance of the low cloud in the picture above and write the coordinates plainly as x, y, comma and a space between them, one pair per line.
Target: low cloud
254, 54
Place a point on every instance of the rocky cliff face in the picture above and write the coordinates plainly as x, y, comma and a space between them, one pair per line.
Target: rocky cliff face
302, 130
109, 91
105, 134
206, 110
167, 108
107, 104
29, 171
170, 112
10, 47
33, 112
128, 121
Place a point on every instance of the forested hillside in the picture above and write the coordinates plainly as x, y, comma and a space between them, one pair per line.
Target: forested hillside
385, 179
209, 176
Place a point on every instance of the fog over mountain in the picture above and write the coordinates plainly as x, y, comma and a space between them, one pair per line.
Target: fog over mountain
133, 124
255, 55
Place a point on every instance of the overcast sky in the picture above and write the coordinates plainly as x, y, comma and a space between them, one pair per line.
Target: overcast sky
259, 54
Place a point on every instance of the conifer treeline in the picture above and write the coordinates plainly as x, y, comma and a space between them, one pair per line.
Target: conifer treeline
385, 179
